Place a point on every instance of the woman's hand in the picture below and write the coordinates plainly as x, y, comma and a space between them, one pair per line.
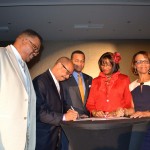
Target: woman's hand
140, 114
118, 113
98, 113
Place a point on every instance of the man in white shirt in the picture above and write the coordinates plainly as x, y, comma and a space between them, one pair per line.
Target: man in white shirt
17, 96
50, 108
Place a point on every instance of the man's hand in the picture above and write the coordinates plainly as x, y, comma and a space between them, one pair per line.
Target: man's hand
71, 115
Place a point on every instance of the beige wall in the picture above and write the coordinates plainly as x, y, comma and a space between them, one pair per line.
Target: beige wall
93, 50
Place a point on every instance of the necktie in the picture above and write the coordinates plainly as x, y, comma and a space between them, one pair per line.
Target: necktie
81, 88
22, 63
25, 75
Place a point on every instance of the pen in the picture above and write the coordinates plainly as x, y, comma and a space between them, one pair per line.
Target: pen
72, 108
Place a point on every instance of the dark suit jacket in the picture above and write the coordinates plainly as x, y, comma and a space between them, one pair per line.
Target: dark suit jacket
49, 112
72, 94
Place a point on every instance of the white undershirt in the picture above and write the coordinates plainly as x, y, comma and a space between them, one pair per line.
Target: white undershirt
58, 88
56, 82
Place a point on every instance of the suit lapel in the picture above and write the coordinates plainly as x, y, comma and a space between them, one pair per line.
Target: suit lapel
74, 87
14, 63
62, 96
86, 82
53, 85
73, 82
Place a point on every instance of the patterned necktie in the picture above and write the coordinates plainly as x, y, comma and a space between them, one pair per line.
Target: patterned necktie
81, 88
27, 82
22, 63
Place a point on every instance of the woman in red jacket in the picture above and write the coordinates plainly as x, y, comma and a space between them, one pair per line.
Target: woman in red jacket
109, 94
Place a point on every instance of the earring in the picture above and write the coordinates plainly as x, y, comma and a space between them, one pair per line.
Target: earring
135, 71
149, 71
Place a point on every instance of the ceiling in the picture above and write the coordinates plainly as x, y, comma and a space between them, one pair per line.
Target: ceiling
76, 19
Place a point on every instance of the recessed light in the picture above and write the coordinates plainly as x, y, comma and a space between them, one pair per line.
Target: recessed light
88, 26
4, 28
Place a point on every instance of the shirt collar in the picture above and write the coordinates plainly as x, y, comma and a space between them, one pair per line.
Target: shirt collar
75, 74
55, 80
18, 56
19, 59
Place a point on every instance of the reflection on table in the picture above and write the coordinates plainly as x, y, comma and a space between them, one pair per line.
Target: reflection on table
106, 134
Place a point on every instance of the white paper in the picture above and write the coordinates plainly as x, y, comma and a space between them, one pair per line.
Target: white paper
105, 118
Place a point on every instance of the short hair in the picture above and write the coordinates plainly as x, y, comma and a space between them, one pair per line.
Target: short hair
109, 56
30, 33
77, 52
145, 54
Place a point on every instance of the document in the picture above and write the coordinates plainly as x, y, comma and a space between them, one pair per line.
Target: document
104, 118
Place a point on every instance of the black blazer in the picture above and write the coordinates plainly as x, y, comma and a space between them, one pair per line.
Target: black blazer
72, 94
49, 112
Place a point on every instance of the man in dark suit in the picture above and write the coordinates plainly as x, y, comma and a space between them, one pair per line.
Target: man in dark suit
71, 88
50, 105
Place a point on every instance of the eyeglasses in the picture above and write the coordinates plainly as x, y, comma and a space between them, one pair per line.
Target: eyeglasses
138, 62
35, 48
106, 64
68, 72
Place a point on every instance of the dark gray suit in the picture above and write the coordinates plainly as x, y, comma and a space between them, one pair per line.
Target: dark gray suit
73, 98
49, 112
72, 94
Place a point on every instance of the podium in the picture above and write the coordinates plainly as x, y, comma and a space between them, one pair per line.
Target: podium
119, 134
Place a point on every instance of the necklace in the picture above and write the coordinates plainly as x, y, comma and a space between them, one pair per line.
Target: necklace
141, 83
143, 79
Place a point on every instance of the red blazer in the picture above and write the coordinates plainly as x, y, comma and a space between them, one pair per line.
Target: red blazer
108, 96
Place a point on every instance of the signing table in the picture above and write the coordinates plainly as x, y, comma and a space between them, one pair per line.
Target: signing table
106, 133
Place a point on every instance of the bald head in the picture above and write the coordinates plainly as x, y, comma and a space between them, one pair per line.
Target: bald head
63, 68
64, 60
